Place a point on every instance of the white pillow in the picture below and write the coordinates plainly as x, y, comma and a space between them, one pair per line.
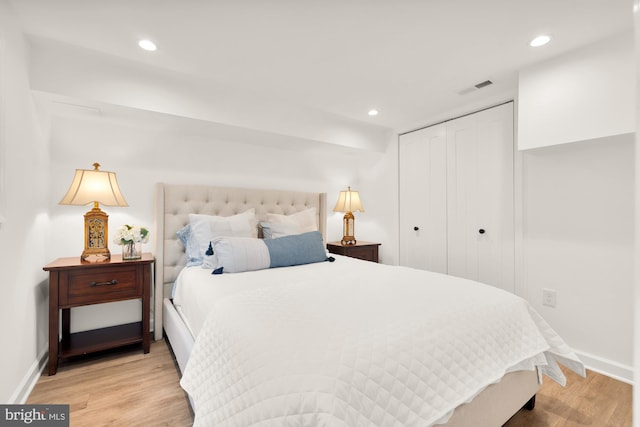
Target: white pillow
287, 225
205, 228
237, 254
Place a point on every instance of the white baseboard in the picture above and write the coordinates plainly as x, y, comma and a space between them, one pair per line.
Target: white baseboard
22, 392
607, 367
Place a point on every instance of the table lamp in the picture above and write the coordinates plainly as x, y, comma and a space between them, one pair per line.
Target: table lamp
348, 202
95, 186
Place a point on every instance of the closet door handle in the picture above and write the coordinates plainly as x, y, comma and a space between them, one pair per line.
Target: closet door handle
416, 228
481, 231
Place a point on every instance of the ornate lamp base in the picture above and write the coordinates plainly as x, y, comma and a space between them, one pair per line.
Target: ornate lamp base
348, 240
348, 227
96, 232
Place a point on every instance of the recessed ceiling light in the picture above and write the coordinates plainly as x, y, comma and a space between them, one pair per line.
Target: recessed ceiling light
540, 41
373, 112
147, 45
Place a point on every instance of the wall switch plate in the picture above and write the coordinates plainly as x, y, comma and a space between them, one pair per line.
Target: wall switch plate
549, 297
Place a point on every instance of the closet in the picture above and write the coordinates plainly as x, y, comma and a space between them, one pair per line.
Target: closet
457, 197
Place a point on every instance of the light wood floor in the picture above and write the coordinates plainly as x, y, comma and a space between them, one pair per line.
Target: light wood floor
128, 388
118, 388
595, 401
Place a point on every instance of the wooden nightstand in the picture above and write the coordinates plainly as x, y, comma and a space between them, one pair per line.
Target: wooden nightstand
362, 250
74, 283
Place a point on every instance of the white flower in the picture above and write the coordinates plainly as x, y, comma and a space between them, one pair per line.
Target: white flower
131, 233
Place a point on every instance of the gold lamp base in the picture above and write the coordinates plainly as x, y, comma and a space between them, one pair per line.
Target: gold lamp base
96, 232
348, 227
348, 240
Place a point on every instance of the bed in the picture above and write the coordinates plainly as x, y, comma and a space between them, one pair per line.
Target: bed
342, 343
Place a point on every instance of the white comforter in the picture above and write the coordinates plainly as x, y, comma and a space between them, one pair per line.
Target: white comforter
360, 344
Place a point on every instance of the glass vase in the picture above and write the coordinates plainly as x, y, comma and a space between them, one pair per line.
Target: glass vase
132, 250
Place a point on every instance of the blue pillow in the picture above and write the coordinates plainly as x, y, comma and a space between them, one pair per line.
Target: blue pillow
191, 248
298, 249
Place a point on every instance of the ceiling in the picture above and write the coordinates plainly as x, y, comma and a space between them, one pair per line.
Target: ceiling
412, 60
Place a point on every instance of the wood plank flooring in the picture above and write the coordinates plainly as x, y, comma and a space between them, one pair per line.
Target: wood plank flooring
596, 401
118, 388
128, 388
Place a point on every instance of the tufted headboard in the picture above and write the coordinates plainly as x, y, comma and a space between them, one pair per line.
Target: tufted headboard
174, 203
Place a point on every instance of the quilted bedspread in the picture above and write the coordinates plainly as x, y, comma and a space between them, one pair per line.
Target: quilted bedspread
374, 346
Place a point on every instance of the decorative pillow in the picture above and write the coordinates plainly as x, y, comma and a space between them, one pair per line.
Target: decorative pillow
287, 225
205, 228
299, 249
191, 248
237, 254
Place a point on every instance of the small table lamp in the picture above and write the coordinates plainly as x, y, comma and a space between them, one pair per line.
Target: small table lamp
95, 186
349, 202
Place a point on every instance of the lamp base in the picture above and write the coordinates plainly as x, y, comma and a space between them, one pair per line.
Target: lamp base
93, 257
348, 240
96, 231
348, 227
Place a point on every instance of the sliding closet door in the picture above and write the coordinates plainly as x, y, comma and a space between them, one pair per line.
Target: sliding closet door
480, 204
423, 199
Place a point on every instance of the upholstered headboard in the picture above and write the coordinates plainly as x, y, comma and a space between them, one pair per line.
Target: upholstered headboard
174, 203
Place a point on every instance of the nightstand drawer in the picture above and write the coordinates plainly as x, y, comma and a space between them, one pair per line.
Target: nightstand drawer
365, 253
99, 285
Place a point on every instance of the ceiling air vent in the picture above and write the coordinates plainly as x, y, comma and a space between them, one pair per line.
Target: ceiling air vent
483, 84
475, 87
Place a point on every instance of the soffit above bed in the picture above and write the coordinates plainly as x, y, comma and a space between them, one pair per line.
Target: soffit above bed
339, 59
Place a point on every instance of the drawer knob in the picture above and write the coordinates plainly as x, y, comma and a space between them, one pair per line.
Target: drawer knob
110, 282
416, 228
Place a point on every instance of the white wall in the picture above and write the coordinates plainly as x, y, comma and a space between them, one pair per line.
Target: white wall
578, 240
588, 93
578, 198
25, 165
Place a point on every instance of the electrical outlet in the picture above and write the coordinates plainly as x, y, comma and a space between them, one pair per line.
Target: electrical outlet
549, 297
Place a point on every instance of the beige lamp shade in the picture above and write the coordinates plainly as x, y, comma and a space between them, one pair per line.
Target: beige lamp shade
95, 186
348, 202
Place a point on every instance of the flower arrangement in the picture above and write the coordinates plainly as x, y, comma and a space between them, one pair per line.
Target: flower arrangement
131, 238
131, 234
